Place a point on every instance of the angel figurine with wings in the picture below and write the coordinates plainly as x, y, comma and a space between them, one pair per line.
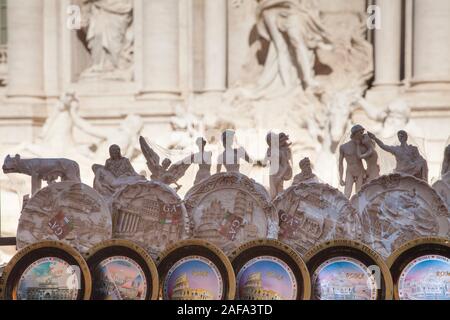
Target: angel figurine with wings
166, 172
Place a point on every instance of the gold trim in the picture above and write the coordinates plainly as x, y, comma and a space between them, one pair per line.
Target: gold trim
136, 248
287, 250
409, 245
388, 283
211, 247
47, 244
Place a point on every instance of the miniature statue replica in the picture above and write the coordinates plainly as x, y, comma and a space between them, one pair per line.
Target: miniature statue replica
365, 149
231, 157
442, 186
151, 214
229, 209
164, 172
313, 213
306, 175
397, 208
203, 159
71, 212
355, 172
409, 160
280, 157
116, 172
40, 169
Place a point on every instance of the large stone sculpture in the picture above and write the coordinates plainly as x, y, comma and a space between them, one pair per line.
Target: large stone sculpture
71, 212
166, 172
280, 158
151, 214
230, 157
306, 175
116, 172
109, 37
409, 160
313, 213
397, 208
355, 172
229, 209
40, 169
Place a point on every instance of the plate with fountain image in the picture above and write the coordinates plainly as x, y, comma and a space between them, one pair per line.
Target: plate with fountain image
195, 270
267, 269
122, 270
46, 270
421, 270
347, 270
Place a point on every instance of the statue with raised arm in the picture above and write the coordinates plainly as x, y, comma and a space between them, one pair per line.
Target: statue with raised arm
230, 157
409, 160
166, 172
355, 172
279, 155
306, 175
116, 172
365, 148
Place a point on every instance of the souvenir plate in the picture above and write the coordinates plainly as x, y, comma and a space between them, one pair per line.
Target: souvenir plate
121, 270
269, 270
421, 270
195, 270
348, 270
46, 270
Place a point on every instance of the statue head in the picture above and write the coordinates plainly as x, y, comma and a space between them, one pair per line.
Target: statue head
166, 163
398, 113
114, 152
305, 165
402, 136
357, 132
228, 138
200, 142
11, 164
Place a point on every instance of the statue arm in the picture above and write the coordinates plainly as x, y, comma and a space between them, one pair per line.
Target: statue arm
380, 143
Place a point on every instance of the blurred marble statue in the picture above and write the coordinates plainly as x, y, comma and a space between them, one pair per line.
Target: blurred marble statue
230, 157
409, 160
279, 156
40, 169
355, 172
306, 175
203, 159
166, 172
116, 172
108, 34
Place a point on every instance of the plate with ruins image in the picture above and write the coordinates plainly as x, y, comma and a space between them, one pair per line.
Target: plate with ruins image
347, 270
70, 212
396, 208
229, 209
195, 270
46, 270
313, 213
150, 214
268, 269
122, 270
421, 269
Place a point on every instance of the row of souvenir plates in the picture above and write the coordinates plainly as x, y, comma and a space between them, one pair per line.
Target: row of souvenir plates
258, 270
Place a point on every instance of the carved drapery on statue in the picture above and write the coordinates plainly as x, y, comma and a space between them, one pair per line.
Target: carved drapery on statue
109, 37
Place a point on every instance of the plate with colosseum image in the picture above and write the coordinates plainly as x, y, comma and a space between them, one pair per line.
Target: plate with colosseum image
195, 270
122, 270
46, 270
347, 270
71, 212
269, 270
397, 208
150, 214
313, 213
421, 270
229, 209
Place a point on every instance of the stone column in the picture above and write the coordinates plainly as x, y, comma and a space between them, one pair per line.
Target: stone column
25, 49
388, 45
215, 45
431, 39
160, 47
